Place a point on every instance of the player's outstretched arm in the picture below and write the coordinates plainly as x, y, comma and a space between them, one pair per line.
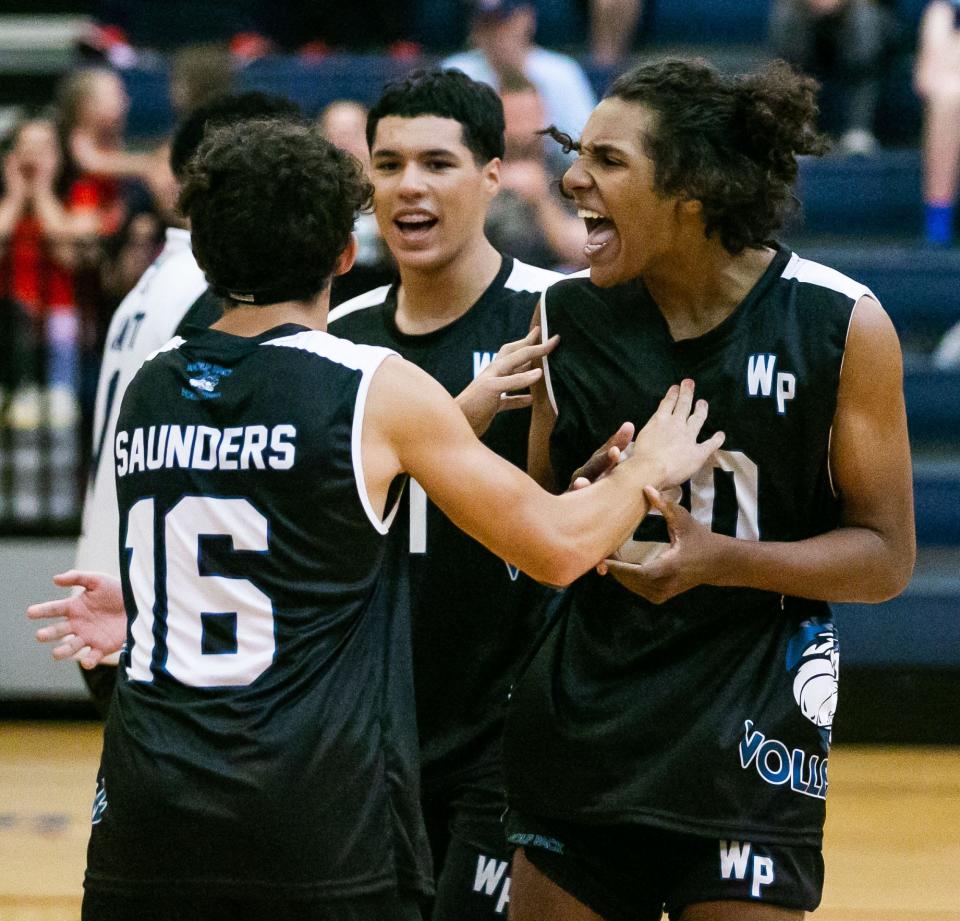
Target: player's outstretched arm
411, 424
92, 623
870, 557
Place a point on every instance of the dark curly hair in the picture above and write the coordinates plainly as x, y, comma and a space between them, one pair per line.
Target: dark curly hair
729, 142
446, 94
271, 205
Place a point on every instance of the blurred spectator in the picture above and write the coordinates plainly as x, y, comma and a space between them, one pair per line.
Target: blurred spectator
613, 27
502, 34
529, 218
946, 356
344, 123
937, 80
93, 107
199, 73
843, 42
43, 224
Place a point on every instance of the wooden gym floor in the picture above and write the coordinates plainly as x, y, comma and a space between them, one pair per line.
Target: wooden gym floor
892, 839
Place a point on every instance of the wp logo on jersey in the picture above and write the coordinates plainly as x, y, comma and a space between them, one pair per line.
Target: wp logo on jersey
735, 863
763, 380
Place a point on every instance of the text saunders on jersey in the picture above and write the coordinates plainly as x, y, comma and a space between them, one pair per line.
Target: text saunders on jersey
202, 447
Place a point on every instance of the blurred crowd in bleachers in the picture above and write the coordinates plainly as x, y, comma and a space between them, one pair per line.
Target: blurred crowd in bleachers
87, 190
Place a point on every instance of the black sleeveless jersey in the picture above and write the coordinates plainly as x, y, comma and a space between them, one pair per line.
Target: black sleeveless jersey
711, 713
473, 615
262, 741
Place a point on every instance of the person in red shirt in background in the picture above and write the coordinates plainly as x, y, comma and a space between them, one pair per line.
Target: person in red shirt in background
45, 232
130, 192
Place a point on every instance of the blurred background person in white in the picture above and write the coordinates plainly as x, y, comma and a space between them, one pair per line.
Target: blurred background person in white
501, 33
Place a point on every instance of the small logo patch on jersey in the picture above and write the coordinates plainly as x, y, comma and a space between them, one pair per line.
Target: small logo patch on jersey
204, 380
513, 572
99, 803
763, 380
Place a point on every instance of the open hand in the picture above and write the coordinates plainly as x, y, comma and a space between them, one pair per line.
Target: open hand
91, 624
670, 437
512, 369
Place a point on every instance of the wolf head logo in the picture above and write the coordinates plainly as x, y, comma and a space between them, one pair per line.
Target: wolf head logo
814, 654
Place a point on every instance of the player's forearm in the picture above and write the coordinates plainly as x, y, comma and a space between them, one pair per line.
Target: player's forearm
848, 564
576, 530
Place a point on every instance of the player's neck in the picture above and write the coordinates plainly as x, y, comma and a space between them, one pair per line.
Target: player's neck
699, 289
429, 300
252, 321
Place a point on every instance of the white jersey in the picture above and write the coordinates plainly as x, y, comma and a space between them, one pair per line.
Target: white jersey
145, 320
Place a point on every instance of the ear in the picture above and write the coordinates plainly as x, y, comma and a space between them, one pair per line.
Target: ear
491, 176
347, 258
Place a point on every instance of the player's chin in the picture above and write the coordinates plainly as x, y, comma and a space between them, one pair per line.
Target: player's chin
607, 275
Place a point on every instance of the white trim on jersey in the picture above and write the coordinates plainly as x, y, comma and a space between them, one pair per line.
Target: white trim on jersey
170, 346
145, 320
846, 339
544, 336
372, 298
813, 273
366, 359
807, 272
524, 277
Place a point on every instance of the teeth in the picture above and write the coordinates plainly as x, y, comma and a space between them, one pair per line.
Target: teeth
592, 215
415, 219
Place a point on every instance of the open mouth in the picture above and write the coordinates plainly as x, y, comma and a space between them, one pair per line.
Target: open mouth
414, 226
600, 231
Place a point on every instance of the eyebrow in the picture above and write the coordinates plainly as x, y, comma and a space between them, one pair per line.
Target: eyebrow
602, 148
432, 152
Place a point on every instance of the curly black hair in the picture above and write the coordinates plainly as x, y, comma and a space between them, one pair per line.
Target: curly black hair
271, 205
729, 142
446, 94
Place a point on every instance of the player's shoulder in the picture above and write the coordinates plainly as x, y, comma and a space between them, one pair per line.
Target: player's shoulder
331, 348
818, 279
531, 278
360, 306
572, 289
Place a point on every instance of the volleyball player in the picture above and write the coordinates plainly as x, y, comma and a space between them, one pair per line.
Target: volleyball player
436, 140
260, 753
673, 757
